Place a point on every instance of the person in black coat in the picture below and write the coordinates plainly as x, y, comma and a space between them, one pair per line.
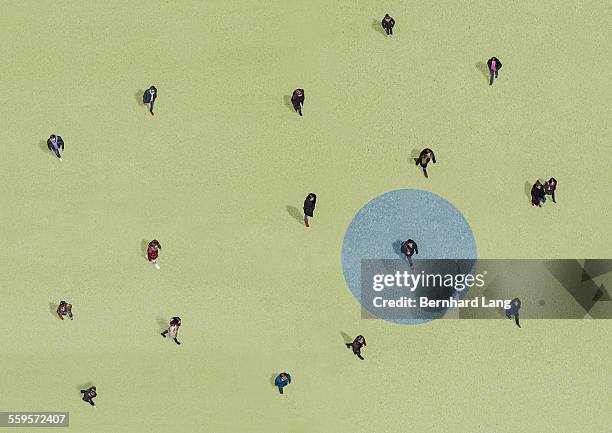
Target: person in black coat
515, 306
309, 207
537, 194
409, 248
388, 22
425, 156
55, 143
494, 66
297, 99
549, 188
89, 394
356, 345
149, 97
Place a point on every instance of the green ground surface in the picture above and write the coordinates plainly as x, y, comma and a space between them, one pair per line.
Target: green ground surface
212, 176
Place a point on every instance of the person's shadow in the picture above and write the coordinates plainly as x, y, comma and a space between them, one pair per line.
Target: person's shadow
397, 247
414, 154
43, 146
295, 213
162, 324
484, 69
376, 25
287, 102
53, 309
272, 379
143, 249
138, 97
528, 186
346, 338
85, 386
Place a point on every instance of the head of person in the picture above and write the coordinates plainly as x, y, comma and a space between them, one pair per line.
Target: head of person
360, 338
312, 196
538, 184
552, 181
283, 376
298, 92
152, 89
52, 136
410, 243
62, 302
387, 17
93, 388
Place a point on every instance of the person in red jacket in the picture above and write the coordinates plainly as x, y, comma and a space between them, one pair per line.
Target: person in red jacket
153, 252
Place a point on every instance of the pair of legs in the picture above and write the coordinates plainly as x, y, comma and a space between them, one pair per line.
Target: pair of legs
493, 74
298, 108
163, 334
356, 351
516, 318
151, 108
424, 167
389, 31
306, 221
409, 258
56, 151
280, 388
88, 400
69, 314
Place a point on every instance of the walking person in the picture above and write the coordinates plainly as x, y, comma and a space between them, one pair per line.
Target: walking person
550, 187
309, 207
494, 66
356, 345
515, 306
64, 309
388, 22
89, 394
425, 156
149, 97
297, 99
173, 329
153, 252
281, 381
55, 143
409, 248
537, 194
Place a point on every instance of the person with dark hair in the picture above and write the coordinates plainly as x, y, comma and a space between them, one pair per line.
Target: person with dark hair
494, 66
515, 306
550, 187
388, 22
149, 97
281, 381
153, 252
309, 207
425, 156
173, 329
89, 394
297, 99
409, 248
537, 194
55, 143
356, 345
64, 309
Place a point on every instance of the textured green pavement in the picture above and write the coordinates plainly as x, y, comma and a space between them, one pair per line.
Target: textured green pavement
215, 174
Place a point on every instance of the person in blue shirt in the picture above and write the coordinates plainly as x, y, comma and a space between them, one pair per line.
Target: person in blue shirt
281, 381
515, 306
